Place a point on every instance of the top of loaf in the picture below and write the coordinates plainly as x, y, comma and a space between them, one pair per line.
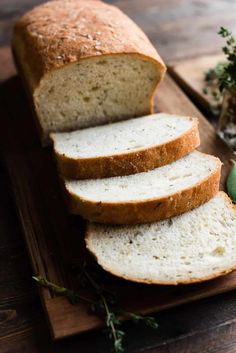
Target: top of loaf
65, 31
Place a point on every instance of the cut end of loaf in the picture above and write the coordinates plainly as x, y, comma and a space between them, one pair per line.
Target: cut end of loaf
196, 246
85, 63
95, 91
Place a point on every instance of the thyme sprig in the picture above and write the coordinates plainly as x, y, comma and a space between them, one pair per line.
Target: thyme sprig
70, 294
223, 76
231, 182
106, 306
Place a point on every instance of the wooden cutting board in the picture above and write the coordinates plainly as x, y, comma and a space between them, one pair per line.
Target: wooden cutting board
190, 75
55, 239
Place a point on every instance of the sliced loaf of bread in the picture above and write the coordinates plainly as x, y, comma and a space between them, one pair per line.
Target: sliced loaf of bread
149, 196
126, 147
196, 246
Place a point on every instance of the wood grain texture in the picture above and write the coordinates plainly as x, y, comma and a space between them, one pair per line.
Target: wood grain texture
67, 320
190, 75
55, 239
180, 29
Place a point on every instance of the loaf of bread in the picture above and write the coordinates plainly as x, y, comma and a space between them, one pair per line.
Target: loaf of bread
196, 246
126, 147
149, 196
85, 63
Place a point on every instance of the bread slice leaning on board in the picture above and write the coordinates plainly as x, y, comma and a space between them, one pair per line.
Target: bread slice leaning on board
149, 196
126, 147
85, 63
196, 246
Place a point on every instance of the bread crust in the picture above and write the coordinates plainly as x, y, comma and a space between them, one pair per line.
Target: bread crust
60, 32
158, 282
63, 32
132, 162
147, 211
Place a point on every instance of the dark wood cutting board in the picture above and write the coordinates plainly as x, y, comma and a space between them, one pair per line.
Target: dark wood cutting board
190, 75
55, 239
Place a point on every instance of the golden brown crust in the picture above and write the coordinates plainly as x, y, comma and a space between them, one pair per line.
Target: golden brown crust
179, 282
156, 209
132, 162
60, 32
159, 282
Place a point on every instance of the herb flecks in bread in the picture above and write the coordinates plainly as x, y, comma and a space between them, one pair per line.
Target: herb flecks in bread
196, 246
179, 187
124, 148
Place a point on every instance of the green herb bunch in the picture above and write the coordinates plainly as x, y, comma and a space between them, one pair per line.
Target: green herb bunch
223, 76
227, 78
231, 182
220, 80
106, 306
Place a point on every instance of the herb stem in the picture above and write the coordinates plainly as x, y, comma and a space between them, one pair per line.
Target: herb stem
109, 321
92, 281
61, 290
105, 307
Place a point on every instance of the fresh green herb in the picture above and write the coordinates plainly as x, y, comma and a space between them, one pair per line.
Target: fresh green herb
147, 320
223, 76
105, 306
231, 183
70, 294
212, 88
227, 78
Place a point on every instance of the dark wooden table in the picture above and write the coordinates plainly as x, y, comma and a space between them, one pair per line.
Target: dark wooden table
179, 29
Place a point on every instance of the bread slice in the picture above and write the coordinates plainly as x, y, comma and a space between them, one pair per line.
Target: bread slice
194, 247
85, 63
149, 196
126, 147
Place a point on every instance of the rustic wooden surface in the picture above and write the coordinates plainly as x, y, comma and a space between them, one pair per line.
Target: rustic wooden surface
180, 29
189, 74
55, 239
